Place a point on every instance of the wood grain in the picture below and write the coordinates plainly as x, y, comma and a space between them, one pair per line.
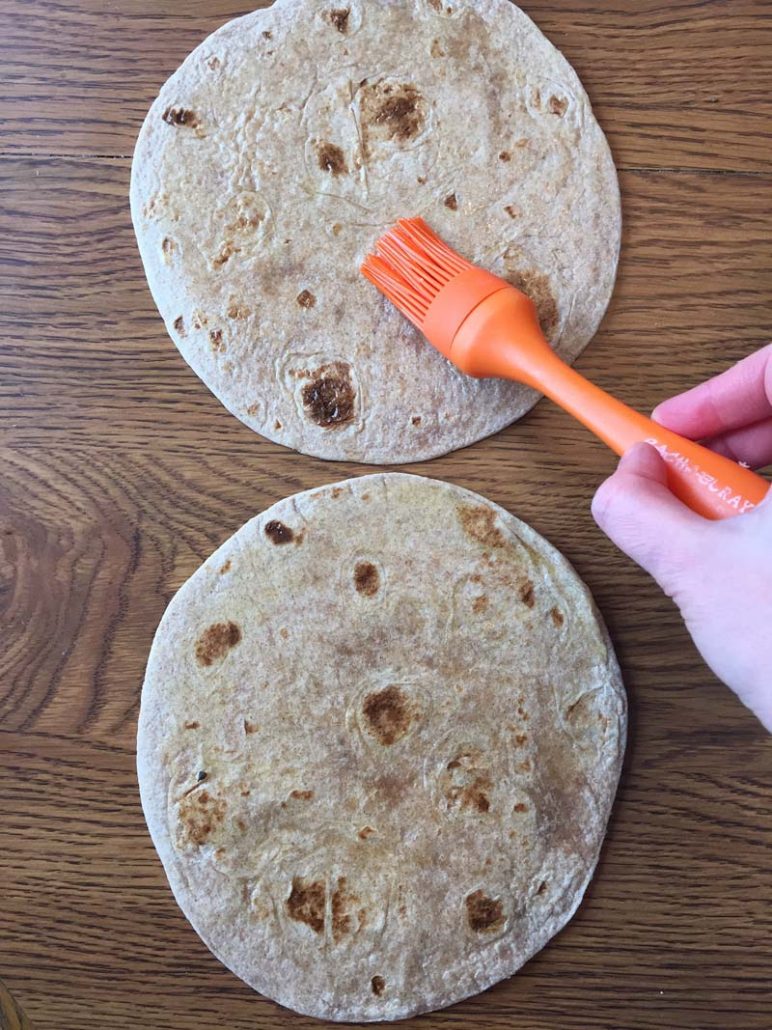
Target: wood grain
683, 83
120, 473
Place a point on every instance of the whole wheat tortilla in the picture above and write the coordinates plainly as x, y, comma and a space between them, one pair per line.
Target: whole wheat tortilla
293, 137
380, 735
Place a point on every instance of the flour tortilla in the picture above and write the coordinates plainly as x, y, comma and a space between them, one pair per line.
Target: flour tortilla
380, 735
293, 137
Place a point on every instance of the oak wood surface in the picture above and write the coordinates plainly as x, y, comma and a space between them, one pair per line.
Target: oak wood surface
120, 473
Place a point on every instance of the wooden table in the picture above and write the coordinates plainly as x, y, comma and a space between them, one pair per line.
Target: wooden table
121, 473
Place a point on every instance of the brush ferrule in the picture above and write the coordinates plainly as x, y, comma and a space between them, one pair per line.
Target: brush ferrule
455, 302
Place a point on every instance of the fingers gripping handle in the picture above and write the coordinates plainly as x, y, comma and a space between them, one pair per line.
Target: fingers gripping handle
501, 337
710, 484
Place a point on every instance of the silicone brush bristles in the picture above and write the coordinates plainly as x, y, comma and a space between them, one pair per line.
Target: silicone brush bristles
411, 265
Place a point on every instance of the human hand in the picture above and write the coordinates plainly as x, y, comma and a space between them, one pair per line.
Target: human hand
718, 573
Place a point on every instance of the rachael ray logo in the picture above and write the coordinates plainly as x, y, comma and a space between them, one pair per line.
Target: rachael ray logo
683, 464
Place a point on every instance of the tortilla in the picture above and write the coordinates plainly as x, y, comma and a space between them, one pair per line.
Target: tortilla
380, 735
293, 137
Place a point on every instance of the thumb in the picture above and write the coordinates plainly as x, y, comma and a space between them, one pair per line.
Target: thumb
635, 508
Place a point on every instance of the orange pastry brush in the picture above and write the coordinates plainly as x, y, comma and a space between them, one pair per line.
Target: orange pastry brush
488, 328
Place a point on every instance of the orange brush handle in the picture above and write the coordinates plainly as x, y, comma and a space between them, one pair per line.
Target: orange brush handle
501, 337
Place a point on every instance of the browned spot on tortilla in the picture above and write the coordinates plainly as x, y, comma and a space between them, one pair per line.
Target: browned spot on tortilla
245, 793
436, 4
467, 783
557, 616
416, 420
225, 253
537, 286
485, 915
336, 228
278, 533
512, 211
168, 246
180, 116
336, 491
241, 825
339, 19
214, 62
525, 765
365, 497
192, 725
215, 642
252, 409
250, 727
451, 201
391, 111
480, 604
378, 985
527, 595
216, 341
306, 299
558, 105
521, 738
302, 795
366, 578
421, 180
341, 902
390, 788
225, 567
238, 311
246, 214
277, 424
387, 714
284, 632
306, 903
521, 807
365, 832
200, 815
479, 522
267, 34
331, 158
436, 49
149, 209
329, 398
542, 887
505, 155
179, 325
